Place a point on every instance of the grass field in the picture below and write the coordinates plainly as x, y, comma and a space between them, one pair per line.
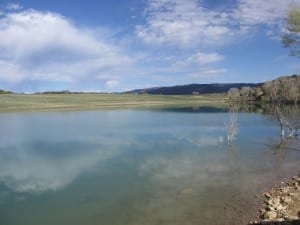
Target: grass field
21, 102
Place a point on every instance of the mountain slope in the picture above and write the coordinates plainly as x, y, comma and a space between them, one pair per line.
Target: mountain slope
193, 89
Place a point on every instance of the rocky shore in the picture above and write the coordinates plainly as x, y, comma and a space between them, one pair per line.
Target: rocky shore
281, 204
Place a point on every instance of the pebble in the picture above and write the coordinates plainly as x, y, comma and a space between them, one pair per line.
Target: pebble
268, 195
287, 200
262, 211
269, 215
293, 217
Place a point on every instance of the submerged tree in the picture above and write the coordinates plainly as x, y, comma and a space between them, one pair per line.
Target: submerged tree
288, 118
292, 38
232, 128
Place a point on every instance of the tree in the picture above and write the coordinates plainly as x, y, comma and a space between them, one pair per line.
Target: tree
247, 94
232, 128
234, 95
292, 38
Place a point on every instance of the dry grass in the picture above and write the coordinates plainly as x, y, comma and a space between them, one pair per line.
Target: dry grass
21, 102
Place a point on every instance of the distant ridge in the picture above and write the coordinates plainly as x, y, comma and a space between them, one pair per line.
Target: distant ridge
190, 89
4, 92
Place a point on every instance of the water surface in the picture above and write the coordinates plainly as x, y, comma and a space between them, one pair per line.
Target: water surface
143, 167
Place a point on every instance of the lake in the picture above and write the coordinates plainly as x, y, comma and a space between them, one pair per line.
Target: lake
137, 167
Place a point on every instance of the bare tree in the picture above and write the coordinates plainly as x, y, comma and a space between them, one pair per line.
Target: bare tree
234, 95
282, 122
232, 128
289, 120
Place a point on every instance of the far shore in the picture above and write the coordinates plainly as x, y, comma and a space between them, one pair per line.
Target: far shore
58, 102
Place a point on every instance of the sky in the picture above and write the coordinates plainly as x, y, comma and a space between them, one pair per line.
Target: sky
113, 45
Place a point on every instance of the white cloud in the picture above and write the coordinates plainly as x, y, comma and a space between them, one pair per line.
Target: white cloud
182, 23
44, 47
268, 12
41, 46
186, 23
10, 70
211, 73
112, 83
203, 58
13, 6
199, 65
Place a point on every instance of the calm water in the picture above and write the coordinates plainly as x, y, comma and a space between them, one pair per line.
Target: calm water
137, 167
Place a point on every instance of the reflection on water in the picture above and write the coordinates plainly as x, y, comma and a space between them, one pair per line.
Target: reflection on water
134, 167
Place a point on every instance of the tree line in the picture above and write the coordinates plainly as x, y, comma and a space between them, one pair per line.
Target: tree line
285, 89
5, 92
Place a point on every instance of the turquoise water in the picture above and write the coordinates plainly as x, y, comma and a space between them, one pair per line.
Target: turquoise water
143, 167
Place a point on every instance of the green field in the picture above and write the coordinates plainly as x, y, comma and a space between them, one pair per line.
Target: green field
21, 102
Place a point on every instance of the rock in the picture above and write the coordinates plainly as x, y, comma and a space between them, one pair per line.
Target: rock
270, 208
290, 217
276, 201
270, 215
282, 202
280, 214
286, 217
268, 195
285, 190
269, 202
287, 200
262, 211
280, 207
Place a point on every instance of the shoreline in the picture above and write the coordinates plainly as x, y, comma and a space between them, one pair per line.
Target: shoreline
280, 205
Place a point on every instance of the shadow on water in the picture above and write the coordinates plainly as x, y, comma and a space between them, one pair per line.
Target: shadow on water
294, 222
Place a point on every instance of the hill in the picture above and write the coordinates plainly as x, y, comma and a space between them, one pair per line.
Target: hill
4, 92
193, 89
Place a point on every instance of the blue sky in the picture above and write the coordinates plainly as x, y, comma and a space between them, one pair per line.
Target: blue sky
121, 45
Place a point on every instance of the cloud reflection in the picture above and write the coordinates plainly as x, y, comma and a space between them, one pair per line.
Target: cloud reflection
33, 170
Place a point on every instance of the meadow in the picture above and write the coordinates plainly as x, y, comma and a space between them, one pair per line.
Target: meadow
13, 102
